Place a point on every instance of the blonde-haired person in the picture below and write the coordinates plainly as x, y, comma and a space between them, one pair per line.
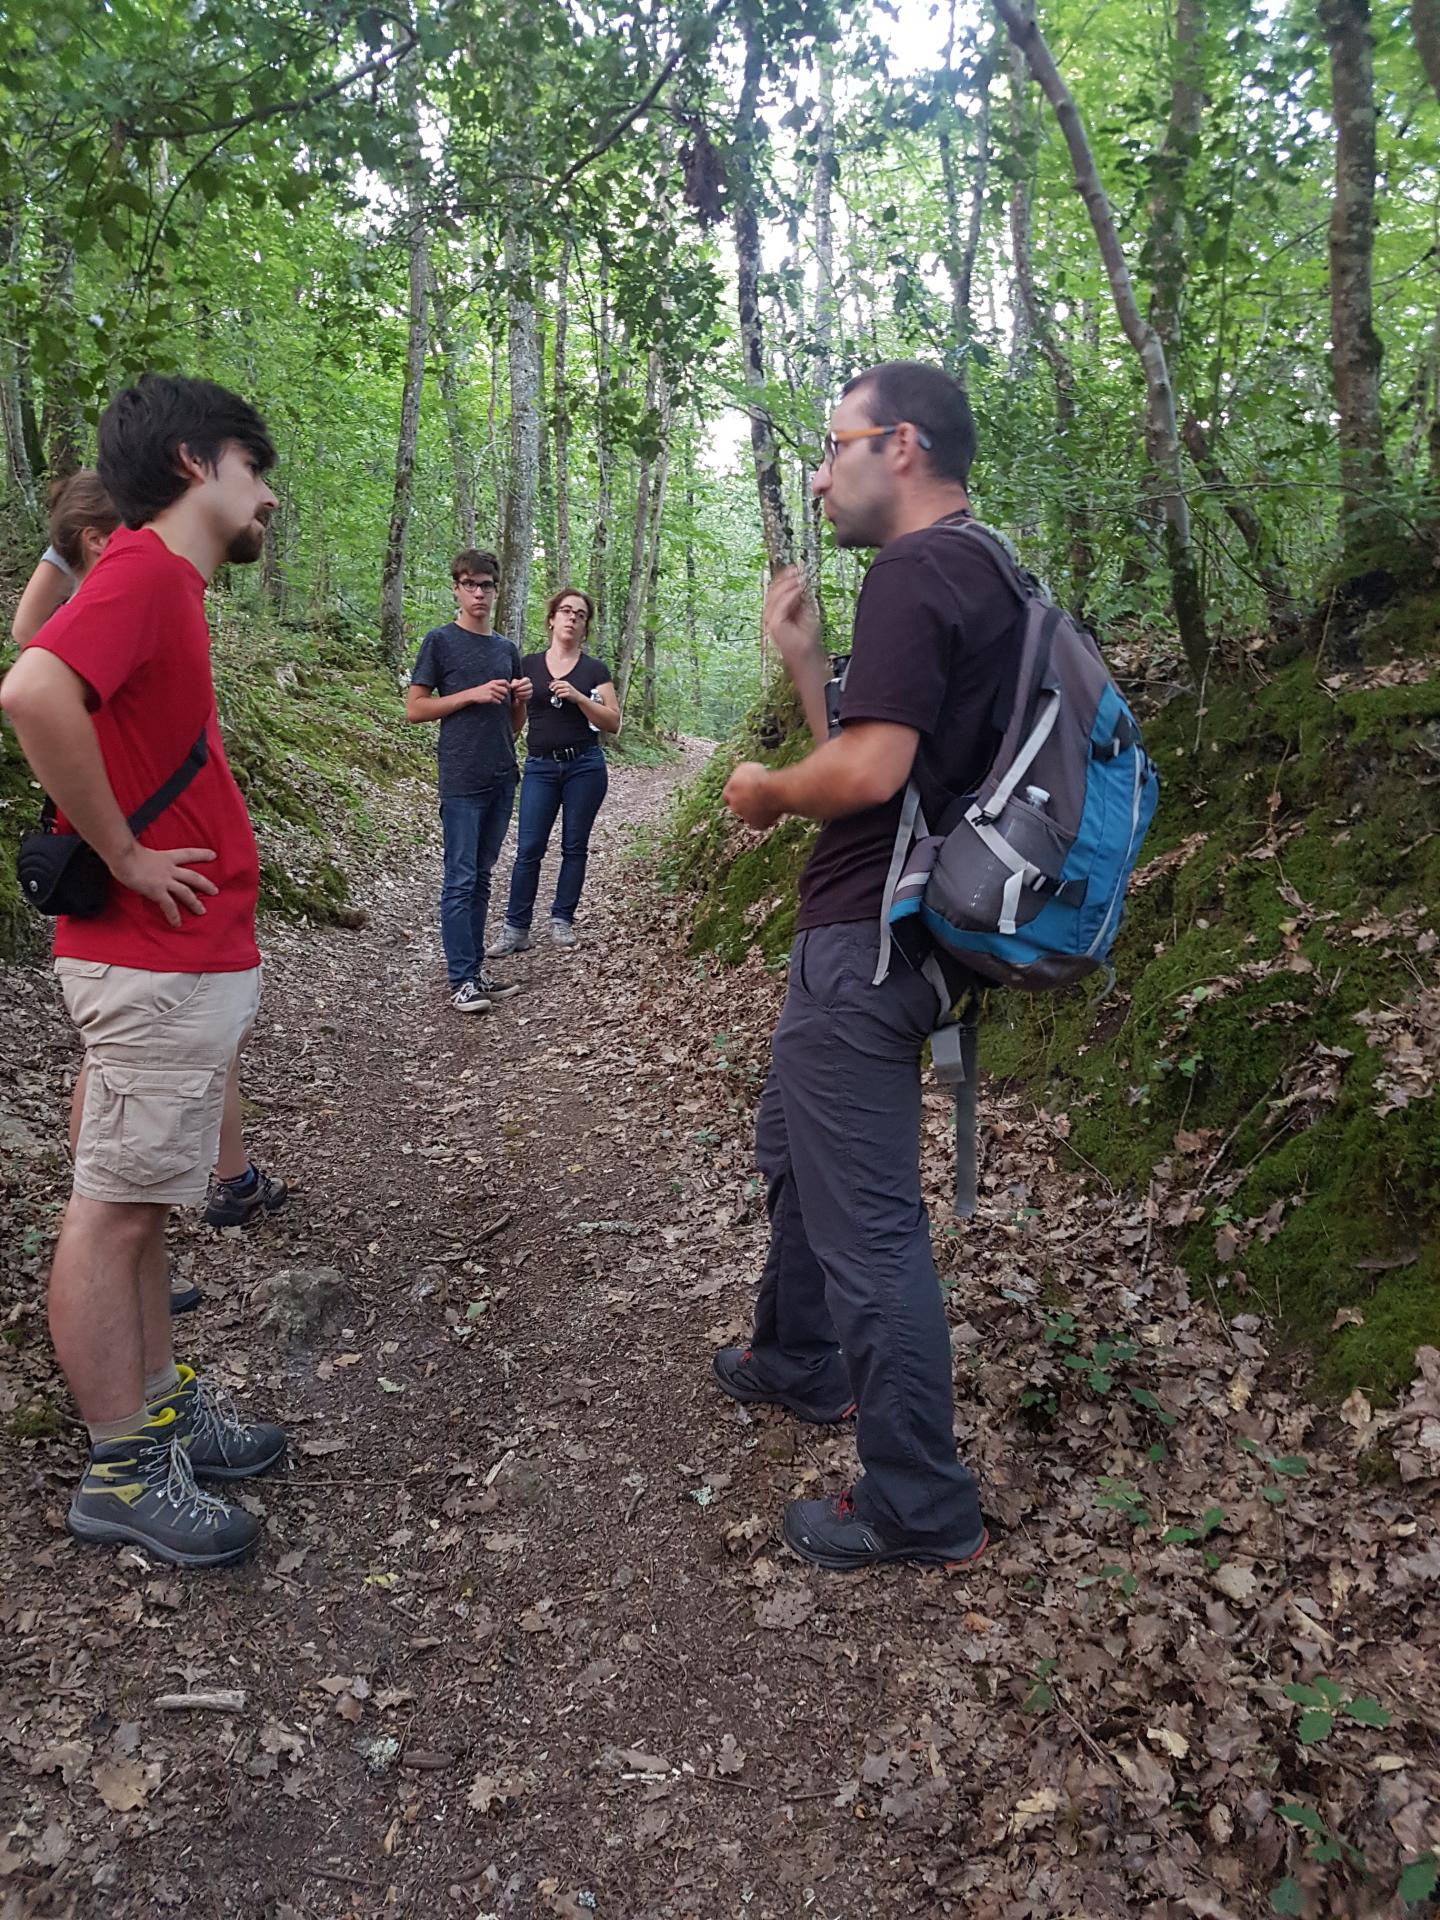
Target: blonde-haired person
82, 518
574, 702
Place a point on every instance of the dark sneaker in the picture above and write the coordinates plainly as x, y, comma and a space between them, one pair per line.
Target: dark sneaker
468, 998
830, 1533
496, 989
184, 1298
734, 1369
220, 1445
231, 1204
512, 940
562, 933
141, 1489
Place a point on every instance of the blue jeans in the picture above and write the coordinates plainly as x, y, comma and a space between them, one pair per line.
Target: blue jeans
578, 786
473, 826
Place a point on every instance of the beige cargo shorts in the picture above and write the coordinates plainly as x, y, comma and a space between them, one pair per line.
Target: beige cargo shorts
158, 1047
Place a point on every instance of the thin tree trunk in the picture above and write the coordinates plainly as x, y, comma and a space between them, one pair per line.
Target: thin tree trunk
774, 520
19, 473
1034, 321
1162, 438
637, 581
517, 552
450, 398
603, 460
1425, 23
546, 468
392, 576
963, 240
63, 422
1354, 344
692, 598
561, 411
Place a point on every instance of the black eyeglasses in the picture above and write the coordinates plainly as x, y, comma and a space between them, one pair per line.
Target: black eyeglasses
477, 586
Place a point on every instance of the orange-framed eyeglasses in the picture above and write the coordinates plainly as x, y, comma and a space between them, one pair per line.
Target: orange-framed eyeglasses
833, 442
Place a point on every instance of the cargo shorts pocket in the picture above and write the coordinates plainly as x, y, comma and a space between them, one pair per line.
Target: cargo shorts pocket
149, 1124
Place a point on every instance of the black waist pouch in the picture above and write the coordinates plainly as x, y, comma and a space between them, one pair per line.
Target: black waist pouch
61, 873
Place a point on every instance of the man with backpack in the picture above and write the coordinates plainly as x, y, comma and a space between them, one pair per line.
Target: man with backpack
849, 1313
114, 706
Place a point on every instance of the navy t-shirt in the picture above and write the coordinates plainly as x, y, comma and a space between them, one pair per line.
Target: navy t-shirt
936, 648
477, 744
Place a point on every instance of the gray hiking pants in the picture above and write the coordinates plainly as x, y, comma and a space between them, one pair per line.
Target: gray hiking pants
849, 1303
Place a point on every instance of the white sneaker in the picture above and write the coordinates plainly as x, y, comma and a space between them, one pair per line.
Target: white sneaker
512, 940
562, 933
469, 999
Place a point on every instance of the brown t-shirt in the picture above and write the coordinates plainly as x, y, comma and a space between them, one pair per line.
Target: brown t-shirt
935, 647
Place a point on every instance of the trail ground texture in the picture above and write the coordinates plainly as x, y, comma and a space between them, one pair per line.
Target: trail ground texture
522, 1639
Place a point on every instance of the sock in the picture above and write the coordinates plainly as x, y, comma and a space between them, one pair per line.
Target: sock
159, 1386
102, 1431
246, 1182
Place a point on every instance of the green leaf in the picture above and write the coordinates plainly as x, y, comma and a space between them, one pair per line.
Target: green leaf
1314, 1727
1299, 1816
1292, 1465
1368, 1712
1328, 1691
1302, 1695
1419, 1880
1286, 1897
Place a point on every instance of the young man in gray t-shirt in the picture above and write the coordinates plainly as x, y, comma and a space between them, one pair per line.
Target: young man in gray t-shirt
468, 678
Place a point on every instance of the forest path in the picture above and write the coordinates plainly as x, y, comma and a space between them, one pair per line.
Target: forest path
520, 1639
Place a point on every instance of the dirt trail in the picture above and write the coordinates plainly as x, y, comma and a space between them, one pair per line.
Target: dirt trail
521, 1639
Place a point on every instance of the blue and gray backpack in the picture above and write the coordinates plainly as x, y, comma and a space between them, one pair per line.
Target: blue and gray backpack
1027, 889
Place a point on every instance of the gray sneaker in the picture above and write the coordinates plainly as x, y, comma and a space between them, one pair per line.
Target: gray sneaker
511, 940
562, 933
141, 1489
469, 999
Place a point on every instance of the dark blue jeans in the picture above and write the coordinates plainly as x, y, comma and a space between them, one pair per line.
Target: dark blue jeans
849, 1300
577, 786
474, 827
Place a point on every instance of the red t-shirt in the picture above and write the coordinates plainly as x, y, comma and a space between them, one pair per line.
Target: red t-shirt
136, 634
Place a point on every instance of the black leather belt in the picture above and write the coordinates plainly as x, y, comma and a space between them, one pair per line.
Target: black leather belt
564, 753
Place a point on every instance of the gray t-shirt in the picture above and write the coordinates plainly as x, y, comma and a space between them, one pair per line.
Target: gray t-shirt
477, 744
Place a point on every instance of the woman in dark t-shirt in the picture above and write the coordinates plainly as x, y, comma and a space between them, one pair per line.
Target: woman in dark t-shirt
573, 703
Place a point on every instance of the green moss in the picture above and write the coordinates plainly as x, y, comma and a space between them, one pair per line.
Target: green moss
1300, 812
38, 1420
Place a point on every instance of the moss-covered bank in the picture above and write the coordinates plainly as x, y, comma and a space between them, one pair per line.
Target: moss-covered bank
1268, 1058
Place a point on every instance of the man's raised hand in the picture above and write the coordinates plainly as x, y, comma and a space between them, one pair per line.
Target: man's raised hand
490, 693
521, 690
791, 617
163, 874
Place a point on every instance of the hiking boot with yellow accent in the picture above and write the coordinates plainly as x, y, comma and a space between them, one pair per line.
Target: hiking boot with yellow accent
221, 1446
141, 1489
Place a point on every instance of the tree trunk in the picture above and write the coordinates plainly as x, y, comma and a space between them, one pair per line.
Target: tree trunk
546, 466
638, 581
561, 410
63, 428
1425, 22
19, 472
1034, 321
518, 550
1162, 440
774, 520
963, 239
1354, 344
604, 470
692, 598
392, 576
450, 398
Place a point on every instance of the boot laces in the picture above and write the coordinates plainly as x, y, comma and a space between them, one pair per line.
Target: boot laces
216, 1417
180, 1488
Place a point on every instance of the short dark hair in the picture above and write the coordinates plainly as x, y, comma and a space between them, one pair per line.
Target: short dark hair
145, 426
569, 593
78, 502
899, 390
474, 560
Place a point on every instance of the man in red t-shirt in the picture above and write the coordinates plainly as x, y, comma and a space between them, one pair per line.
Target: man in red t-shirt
110, 699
